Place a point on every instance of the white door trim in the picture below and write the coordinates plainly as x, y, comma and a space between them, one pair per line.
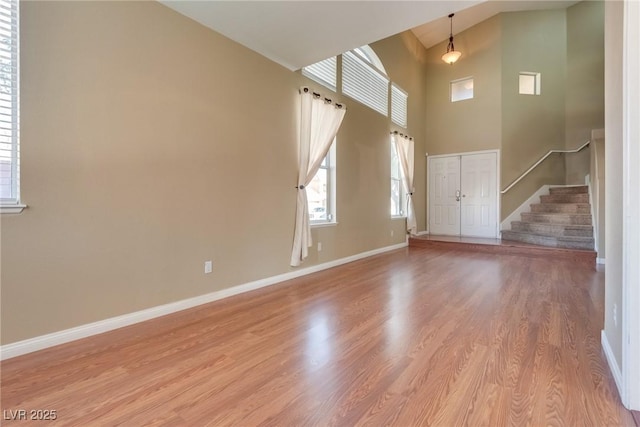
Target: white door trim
498, 173
630, 392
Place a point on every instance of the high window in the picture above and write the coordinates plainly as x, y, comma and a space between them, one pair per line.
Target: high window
9, 107
323, 72
529, 83
398, 106
461, 89
364, 83
363, 77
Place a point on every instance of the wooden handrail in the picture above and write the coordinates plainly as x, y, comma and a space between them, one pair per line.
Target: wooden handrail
540, 161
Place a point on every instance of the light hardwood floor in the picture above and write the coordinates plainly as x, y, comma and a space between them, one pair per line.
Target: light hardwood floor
413, 337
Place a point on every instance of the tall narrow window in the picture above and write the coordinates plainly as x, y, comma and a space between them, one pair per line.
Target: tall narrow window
397, 192
9, 106
321, 191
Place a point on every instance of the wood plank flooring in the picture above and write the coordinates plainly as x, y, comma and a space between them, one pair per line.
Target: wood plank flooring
412, 337
498, 246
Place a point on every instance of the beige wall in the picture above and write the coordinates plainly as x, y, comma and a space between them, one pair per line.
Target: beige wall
614, 165
584, 83
532, 125
523, 127
151, 144
470, 125
396, 52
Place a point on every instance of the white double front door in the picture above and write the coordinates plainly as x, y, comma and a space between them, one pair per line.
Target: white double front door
463, 195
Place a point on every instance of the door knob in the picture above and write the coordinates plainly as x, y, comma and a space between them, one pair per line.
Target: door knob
457, 195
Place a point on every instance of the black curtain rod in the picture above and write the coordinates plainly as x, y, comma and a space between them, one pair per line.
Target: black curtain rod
395, 132
317, 95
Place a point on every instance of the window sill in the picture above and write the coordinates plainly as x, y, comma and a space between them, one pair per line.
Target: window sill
323, 224
12, 209
398, 217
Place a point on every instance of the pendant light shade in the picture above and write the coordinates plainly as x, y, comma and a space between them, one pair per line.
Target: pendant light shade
452, 54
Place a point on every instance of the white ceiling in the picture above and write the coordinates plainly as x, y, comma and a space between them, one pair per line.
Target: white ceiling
299, 33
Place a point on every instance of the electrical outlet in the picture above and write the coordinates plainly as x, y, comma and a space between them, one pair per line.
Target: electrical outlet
208, 267
319, 246
615, 315
391, 233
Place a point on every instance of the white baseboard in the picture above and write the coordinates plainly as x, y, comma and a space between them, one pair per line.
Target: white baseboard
422, 233
49, 340
613, 365
600, 261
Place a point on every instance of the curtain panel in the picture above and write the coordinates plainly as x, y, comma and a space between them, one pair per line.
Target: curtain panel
404, 147
320, 119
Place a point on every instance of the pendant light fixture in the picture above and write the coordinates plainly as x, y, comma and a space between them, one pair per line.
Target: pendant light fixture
452, 54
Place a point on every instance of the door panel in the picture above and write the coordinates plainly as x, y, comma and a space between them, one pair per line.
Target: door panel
479, 195
444, 182
473, 178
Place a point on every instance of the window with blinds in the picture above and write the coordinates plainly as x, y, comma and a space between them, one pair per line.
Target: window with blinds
9, 85
323, 72
398, 106
364, 83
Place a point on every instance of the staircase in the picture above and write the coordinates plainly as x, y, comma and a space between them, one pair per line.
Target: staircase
562, 219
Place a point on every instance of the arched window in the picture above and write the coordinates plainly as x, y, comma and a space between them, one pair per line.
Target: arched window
365, 79
367, 53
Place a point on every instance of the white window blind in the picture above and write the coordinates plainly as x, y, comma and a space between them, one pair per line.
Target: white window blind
9, 85
323, 72
398, 106
364, 83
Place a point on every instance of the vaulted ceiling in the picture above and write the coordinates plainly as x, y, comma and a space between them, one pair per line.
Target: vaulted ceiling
299, 33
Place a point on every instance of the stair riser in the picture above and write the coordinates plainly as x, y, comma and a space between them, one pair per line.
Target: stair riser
554, 230
566, 219
569, 190
562, 208
565, 198
548, 241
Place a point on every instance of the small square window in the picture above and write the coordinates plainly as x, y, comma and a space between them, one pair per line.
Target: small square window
461, 89
529, 83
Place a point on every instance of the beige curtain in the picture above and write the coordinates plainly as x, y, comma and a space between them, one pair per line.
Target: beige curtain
320, 120
404, 146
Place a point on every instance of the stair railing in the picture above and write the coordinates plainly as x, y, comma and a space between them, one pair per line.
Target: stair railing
542, 159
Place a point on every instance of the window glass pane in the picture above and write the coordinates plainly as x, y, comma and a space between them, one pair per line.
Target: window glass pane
370, 56
529, 83
395, 163
461, 89
397, 189
317, 196
396, 197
